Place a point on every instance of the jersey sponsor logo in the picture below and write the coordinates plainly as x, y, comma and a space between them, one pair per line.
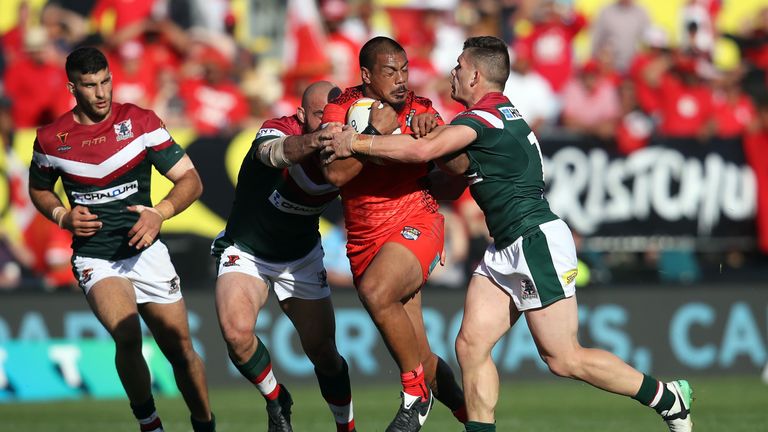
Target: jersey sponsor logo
93, 141
410, 233
528, 290
570, 276
63, 148
511, 113
62, 136
175, 285
115, 193
287, 206
232, 261
269, 132
123, 130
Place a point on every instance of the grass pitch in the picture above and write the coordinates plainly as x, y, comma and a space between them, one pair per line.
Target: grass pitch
722, 404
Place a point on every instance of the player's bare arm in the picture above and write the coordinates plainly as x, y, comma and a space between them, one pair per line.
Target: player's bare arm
442, 141
281, 152
340, 172
80, 221
187, 187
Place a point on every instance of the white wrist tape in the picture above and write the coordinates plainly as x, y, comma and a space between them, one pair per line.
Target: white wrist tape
271, 153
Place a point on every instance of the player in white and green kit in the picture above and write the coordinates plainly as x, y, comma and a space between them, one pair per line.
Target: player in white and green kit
104, 153
272, 242
531, 266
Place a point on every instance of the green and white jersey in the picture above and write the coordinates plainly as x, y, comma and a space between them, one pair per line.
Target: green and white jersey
276, 213
505, 169
105, 167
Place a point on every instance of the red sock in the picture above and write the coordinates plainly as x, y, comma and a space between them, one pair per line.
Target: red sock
413, 382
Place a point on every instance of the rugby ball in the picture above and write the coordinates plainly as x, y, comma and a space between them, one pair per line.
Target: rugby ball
359, 113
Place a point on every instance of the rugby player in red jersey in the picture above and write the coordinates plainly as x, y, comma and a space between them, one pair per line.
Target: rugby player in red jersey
394, 231
104, 153
531, 268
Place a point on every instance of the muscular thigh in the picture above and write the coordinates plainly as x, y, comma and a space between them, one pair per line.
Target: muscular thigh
240, 297
394, 271
488, 312
168, 323
113, 301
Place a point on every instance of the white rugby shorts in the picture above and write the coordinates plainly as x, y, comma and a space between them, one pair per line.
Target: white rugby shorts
151, 272
304, 278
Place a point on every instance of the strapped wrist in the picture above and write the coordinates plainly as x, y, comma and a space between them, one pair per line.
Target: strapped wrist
370, 130
58, 215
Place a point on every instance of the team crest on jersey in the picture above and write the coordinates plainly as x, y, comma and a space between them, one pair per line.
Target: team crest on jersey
62, 136
124, 130
410, 233
409, 117
175, 285
528, 290
232, 261
510, 113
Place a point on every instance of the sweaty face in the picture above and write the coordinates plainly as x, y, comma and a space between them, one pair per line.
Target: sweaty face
388, 80
93, 93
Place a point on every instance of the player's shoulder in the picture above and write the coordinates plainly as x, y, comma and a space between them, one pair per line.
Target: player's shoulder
280, 126
421, 101
348, 96
129, 110
490, 111
56, 132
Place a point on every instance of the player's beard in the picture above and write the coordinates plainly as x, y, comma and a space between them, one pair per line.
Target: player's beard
97, 113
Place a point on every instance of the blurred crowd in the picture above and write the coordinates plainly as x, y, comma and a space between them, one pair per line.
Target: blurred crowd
195, 64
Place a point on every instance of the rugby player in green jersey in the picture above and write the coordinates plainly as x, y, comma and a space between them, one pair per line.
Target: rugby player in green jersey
104, 152
272, 241
530, 268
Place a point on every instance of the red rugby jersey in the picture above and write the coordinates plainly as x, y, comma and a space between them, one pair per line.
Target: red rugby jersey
382, 196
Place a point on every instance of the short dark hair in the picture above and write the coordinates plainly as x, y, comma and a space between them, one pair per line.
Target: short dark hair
85, 60
491, 56
376, 46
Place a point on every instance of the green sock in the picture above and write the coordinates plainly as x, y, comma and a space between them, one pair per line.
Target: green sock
473, 426
649, 392
256, 364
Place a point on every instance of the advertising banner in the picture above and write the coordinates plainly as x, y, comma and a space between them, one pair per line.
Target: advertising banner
52, 347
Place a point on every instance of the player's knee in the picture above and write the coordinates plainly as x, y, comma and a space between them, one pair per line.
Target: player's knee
562, 366
127, 338
236, 334
464, 348
373, 296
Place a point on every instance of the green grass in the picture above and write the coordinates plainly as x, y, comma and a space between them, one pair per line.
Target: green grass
722, 404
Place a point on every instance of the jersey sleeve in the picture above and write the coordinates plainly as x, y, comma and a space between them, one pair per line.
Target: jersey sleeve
470, 120
274, 128
334, 113
42, 174
162, 151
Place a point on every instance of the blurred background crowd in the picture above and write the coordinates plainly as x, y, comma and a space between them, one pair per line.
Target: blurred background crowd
618, 74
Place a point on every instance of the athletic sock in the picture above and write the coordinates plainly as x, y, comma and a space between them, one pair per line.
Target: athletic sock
204, 426
146, 414
655, 394
413, 382
258, 370
448, 391
337, 392
473, 426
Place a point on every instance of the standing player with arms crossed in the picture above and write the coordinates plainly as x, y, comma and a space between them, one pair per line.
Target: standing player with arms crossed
392, 223
104, 153
272, 241
531, 266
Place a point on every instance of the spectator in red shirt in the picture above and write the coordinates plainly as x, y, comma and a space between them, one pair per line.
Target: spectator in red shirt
686, 101
134, 77
551, 43
648, 67
213, 102
733, 111
341, 49
35, 84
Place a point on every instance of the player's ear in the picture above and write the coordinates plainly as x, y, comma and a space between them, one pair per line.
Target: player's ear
365, 75
301, 114
71, 87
